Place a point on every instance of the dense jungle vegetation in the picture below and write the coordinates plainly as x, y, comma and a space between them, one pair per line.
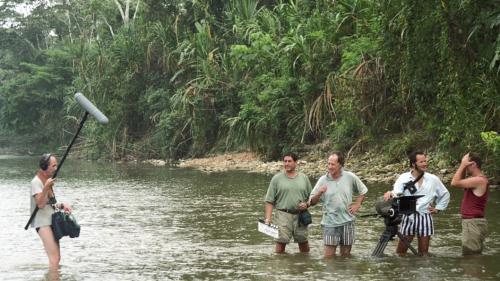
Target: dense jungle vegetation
183, 78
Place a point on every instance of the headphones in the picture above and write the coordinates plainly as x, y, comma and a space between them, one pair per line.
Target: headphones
45, 161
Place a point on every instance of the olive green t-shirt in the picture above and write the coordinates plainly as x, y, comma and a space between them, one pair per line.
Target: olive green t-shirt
286, 193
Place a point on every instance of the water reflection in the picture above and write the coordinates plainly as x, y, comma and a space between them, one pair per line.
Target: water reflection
150, 223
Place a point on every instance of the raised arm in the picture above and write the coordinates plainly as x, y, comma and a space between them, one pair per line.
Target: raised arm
460, 181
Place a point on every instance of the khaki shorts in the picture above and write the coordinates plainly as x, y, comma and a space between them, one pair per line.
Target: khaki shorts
474, 231
288, 227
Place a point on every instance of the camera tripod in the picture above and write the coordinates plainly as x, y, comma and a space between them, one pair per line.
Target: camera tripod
391, 230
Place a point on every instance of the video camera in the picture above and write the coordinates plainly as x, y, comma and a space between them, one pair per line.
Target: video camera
391, 208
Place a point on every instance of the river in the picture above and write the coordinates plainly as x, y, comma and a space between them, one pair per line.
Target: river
141, 222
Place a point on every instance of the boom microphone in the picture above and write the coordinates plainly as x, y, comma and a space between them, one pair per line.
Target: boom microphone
90, 108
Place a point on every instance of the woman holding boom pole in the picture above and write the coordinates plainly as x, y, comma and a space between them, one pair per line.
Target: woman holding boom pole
42, 196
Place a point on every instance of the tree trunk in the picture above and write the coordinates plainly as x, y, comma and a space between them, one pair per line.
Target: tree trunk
126, 13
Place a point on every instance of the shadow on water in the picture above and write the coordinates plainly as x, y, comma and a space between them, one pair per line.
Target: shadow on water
142, 222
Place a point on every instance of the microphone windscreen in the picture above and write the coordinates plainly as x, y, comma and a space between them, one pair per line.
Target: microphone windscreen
90, 108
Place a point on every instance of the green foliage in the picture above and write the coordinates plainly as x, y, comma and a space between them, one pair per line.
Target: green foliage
344, 133
396, 147
33, 97
184, 78
492, 141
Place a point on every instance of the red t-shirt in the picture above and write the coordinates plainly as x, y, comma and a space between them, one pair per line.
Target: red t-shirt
472, 205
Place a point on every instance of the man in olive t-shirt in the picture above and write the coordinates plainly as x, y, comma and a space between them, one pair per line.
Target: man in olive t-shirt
288, 193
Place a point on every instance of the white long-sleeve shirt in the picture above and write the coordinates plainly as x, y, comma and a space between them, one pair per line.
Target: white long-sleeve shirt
432, 189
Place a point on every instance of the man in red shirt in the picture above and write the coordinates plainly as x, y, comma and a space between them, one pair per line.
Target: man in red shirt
475, 184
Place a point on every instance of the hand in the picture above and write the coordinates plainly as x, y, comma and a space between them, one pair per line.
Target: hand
49, 183
323, 189
466, 160
67, 208
353, 209
433, 210
388, 195
302, 206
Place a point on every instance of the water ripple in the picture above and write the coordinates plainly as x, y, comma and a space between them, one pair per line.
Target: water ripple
151, 223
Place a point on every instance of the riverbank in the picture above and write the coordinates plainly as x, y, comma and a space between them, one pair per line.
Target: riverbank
368, 166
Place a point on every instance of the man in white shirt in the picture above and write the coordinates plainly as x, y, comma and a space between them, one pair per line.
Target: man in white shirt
430, 186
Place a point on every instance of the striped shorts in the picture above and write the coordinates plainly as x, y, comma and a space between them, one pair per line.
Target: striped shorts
417, 224
339, 235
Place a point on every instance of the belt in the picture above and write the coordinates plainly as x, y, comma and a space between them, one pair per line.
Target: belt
290, 211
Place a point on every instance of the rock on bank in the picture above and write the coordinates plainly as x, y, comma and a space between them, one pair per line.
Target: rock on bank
366, 166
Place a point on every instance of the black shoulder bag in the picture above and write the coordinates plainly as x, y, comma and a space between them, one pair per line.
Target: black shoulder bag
305, 218
64, 224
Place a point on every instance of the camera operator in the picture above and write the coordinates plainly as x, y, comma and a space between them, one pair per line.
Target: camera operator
430, 186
